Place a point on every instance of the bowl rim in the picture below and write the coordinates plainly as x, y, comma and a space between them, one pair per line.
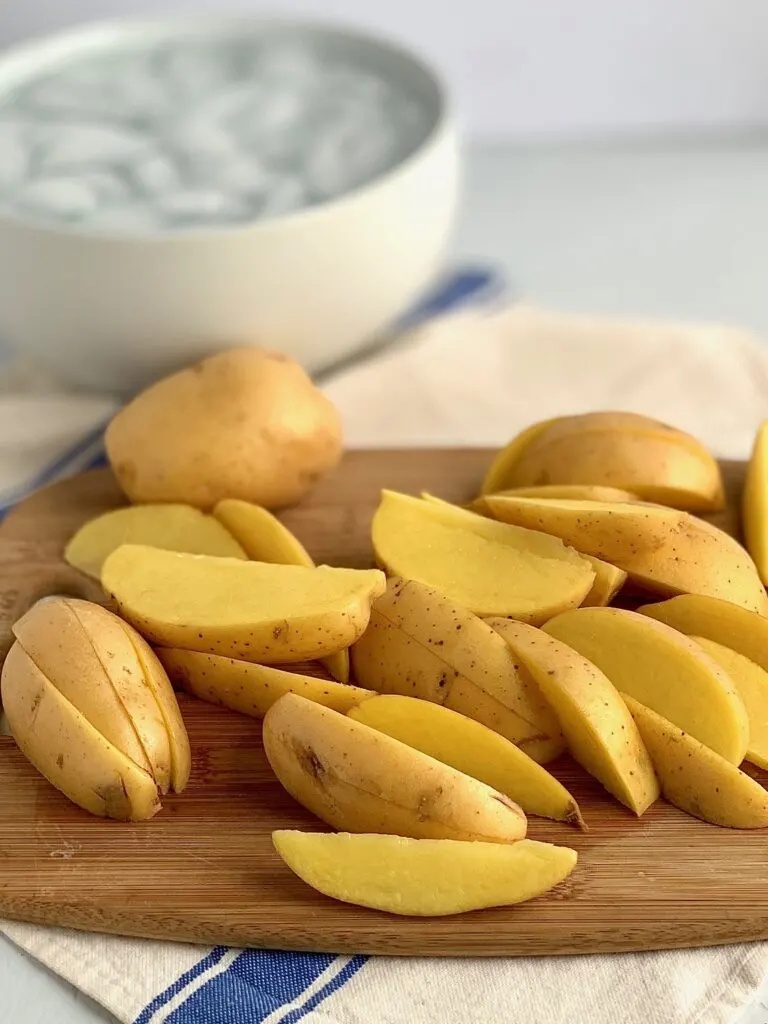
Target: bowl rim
100, 34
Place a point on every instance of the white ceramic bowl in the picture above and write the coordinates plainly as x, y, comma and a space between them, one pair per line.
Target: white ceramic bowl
115, 312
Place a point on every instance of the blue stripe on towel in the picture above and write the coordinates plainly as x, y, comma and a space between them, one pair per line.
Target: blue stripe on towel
259, 983
194, 972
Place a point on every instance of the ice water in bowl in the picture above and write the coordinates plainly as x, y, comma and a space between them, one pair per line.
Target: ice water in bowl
191, 133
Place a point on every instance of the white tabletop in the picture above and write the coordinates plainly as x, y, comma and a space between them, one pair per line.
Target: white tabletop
653, 230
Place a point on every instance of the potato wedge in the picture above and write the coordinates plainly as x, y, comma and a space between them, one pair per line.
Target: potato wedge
699, 559
65, 748
664, 670
579, 492
252, 611
157, 681
599, 731
722, 621
421, 644
751, 682
260, 534
471, 748
172, 527
265, 539
613, 531
359, 780
754, 503
489, 568
609, 580
696, 779
248, 688
424, 877
85, 653
637, 454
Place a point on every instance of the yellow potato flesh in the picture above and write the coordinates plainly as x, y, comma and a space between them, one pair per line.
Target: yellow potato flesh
721, 621
471, 748
172, 527
248, 688
696, 779
598, 728
700, 559
613, 531
71, 754
579, 492
423, 877
609, 580
654, 464
157, 680
751, 682
57, 642
358, 780
754, 503
252, 611
662, 669
420, 644
265, 539
487, 567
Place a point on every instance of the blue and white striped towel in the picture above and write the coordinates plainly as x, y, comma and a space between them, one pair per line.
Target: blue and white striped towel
474, 378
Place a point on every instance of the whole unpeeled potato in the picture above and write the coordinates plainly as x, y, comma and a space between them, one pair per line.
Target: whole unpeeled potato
92, 708
246, 423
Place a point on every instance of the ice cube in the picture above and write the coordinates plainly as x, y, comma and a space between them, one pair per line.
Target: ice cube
14, 153
76, 144
240, 173
292, 62
68, 199
155, 173
192, 71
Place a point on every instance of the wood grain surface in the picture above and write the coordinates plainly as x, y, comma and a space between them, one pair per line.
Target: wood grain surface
204, 869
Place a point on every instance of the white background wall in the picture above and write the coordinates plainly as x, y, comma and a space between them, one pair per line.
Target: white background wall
538, 68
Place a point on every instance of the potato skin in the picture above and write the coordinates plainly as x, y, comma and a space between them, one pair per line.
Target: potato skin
360, 780
246, 423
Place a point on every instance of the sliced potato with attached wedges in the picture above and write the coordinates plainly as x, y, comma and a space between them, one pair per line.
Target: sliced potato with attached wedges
635, 453
696, 779
598, 729
613, 531
265, 539
754, 503
421, 644
423, 877
72, 754
751, 682
172, 527
664, 670
471, 748
489, 568
359, 780
248, 688
253, 611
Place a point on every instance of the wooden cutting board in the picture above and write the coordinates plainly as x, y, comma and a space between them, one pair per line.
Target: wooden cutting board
204, 870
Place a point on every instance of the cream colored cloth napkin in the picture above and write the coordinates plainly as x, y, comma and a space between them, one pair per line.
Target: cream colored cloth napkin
475, 379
